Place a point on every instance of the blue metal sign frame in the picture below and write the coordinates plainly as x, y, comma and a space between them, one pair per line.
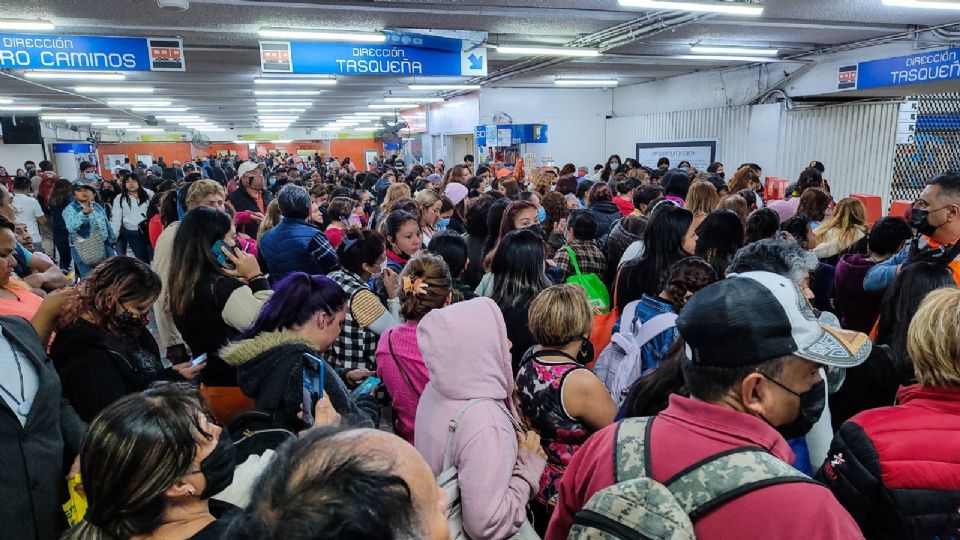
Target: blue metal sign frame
90, 53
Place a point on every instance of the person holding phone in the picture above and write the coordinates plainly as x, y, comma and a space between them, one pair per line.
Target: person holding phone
288, 338
216, 291
250, 199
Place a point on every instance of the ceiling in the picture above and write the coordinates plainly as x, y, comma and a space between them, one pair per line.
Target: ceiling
221, 43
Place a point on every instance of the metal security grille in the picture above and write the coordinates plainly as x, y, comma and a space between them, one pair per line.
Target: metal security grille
933, 148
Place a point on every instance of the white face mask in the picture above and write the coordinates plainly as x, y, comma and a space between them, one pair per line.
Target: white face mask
614, 166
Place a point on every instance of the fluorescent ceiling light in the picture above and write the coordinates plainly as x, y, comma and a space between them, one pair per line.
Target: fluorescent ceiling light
444, 87
741, 51
124, 125
26, 24
19, 108
300, 81
586, 82
5, 101
323, 35
922, 4
115, 89
277, 118
281, 141
179, 117
729, 8
103, 122
393, 106
725, 58
139, 102
278, 111
75, 75
532, 50
212, 130
159, 109
372, 114
413, 100
66, 117
146, 130
285, 102
286, 92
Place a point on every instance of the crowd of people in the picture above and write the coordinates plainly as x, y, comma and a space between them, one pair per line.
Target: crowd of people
303, 349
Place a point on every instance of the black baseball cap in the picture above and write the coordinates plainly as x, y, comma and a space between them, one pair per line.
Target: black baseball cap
754, 317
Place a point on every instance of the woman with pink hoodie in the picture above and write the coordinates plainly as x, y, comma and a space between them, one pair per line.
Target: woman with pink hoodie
466, 350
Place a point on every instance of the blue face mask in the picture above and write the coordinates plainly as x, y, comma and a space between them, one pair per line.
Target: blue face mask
541, 214
443, 223
90, 176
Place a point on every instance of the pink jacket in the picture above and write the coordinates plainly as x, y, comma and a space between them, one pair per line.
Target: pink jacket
465, 348
402, 340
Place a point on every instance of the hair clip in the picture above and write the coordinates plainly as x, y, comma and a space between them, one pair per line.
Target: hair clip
415, 287
349, 243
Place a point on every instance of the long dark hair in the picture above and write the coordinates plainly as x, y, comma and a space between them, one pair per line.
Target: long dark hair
117, 280
141, 193
718, 239
199, 230
296, 299
650, 394
62, 191
900, 304
663, 241
517, 268
687, 276
135, 449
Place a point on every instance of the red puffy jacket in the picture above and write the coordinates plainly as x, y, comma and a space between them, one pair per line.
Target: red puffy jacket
897, 469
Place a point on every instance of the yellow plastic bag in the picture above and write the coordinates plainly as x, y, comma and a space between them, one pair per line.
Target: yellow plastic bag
76, 507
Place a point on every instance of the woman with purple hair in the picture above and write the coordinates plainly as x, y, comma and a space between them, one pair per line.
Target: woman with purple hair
302, 318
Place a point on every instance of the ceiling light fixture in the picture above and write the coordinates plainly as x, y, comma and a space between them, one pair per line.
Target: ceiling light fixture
75, 75
413, 100
19, 108
922, 4
176, 117
139, 102
741, 51
393, 106
277, 117
281, 141
115, 89
541, 50
724, 58
323, 35
124, 125
586, 82
146, 130
314, 81
103, 122
26, 24
372, 113
279, 111
283, 102
728, 8
444, 87
5, 101
286, 92
159, 109
66, 118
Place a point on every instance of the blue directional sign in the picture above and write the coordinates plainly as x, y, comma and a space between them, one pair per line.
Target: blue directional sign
366, 59
920, 68
90, 53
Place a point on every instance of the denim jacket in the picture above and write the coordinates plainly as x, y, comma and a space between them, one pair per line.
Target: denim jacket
79, 224
656, 350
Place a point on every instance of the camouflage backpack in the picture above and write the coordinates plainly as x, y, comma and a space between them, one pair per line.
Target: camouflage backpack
637, 507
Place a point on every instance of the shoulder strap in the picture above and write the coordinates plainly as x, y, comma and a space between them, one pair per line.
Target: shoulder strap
654, 327
573, 259
402, 371
455, 421
631, 453
720, 478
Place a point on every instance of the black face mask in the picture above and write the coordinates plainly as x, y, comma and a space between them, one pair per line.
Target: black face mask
721, 175
920, 221
217, 468
538, 228
812, 403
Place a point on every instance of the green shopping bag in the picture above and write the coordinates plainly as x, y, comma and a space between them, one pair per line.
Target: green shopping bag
597, 292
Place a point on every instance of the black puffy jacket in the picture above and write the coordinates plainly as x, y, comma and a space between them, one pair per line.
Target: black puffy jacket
897, 469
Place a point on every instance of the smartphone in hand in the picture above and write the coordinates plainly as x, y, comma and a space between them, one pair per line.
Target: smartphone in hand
199, 360
313, 373
220, 256
367, 386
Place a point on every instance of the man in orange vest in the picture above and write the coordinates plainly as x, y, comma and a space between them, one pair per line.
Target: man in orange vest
936, 218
